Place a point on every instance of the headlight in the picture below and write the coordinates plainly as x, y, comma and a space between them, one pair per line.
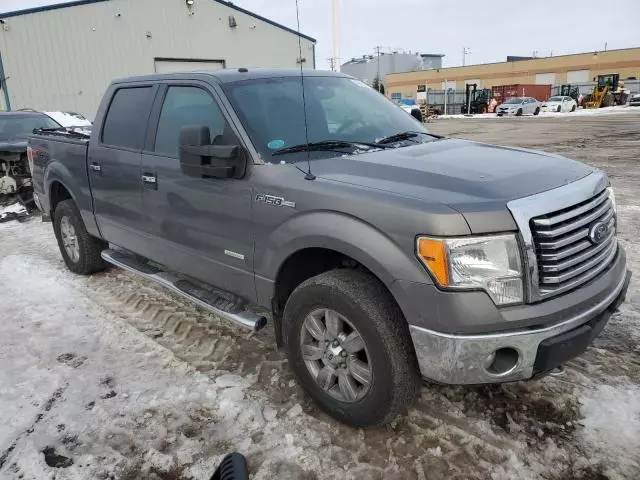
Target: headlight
491, 263
612, 197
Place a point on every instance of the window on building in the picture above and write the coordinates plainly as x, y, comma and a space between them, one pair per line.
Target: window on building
396, 96
126, 122
187, 106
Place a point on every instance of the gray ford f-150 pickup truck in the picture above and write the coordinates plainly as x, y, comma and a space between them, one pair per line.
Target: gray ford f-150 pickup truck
386, 254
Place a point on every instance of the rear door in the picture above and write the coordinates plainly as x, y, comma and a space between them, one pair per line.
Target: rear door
200, 226
114, 163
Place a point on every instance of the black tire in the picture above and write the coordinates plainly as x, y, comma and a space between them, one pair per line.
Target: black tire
365, 302
519, 113
537, 112
608, 100
559, 109
573, 109
89, 247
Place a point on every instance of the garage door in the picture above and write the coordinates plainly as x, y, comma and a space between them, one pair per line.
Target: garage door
578, 76
546, 79
185, 65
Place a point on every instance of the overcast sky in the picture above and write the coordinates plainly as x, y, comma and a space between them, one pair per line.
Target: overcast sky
491, 29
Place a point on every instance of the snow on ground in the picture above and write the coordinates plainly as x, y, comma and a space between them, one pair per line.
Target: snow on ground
578, 113
102, 400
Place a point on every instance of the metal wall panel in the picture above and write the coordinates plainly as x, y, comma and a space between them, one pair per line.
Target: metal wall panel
64, 59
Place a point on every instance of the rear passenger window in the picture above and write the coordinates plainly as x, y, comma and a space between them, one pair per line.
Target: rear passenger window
183, 107
126, 121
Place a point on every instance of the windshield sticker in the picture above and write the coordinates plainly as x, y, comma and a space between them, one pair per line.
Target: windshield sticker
275, 144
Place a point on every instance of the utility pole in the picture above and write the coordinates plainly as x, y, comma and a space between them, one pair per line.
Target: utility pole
465, 51
377, 48
336, 34
332, 64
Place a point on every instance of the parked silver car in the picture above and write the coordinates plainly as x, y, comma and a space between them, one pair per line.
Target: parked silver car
560, 104
519, 106
634, 101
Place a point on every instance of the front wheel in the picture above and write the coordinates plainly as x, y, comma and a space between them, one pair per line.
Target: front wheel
573, 108
350, 347
537, 112
519, 113
80, 251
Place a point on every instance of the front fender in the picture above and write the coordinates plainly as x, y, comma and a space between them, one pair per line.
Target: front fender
344, 234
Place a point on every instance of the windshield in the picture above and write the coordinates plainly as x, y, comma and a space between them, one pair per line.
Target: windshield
338, 108
513, 100
555, 99
14, 127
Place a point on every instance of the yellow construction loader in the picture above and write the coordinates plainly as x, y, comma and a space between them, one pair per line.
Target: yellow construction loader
608, 92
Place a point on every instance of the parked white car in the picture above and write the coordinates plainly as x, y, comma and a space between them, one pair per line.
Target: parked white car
519, 106
560, 104
634, 101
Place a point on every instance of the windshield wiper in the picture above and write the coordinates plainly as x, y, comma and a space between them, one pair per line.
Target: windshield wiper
405, 136
327, 145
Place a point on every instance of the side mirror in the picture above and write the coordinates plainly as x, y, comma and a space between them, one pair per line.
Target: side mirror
199, 158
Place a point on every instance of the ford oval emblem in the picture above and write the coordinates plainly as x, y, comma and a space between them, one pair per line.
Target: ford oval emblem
598, 232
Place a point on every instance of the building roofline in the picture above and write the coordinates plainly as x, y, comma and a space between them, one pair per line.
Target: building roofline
56, 6
517, 61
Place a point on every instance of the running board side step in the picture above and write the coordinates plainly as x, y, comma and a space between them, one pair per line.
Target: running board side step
221, 306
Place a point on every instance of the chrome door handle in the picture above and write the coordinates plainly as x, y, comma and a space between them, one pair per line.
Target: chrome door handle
149, 179
95, 167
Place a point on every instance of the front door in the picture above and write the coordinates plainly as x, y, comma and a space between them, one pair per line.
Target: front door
114, 165
199, 226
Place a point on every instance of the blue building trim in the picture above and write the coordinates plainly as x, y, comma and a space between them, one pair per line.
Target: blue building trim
76, 3
3, 86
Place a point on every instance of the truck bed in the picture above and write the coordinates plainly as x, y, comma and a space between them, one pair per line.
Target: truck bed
60, 156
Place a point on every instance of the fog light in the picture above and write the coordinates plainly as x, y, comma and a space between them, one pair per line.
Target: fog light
502, 361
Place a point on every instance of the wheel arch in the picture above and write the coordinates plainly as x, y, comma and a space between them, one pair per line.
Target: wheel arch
347, 243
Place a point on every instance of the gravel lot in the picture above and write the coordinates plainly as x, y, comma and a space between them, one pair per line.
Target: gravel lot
111, 377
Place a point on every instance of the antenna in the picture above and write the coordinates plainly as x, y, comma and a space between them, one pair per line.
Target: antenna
309, 175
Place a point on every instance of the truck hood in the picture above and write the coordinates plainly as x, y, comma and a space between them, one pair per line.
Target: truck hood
473, 178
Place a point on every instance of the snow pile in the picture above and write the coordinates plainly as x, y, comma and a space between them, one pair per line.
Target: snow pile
11, 212
577, 113
612, 424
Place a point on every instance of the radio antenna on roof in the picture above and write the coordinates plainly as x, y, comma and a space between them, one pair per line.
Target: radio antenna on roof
309, 175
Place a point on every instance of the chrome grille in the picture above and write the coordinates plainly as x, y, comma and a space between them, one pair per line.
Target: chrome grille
565, 254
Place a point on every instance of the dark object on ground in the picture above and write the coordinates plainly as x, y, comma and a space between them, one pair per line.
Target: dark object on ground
232, 467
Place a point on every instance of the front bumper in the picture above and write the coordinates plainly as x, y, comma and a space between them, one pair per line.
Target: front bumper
523, 353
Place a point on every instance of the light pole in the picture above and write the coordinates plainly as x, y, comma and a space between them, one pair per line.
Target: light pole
336, 34
465, 51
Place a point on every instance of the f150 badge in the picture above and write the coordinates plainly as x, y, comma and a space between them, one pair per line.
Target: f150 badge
274, 201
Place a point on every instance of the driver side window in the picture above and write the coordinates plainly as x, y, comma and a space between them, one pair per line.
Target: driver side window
183, 107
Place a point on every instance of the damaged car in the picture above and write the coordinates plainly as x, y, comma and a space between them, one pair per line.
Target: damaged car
15, 173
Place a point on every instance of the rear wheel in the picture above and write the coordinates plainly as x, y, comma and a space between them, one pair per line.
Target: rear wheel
349, 345
80, 251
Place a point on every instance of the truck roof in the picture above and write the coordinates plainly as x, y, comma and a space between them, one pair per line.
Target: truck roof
235, 74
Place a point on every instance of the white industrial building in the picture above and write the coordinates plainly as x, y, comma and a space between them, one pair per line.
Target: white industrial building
63, 57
